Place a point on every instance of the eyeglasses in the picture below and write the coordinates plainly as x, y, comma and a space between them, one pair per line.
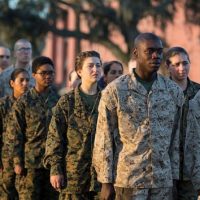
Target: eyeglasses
4, 56
45, 73
24, 49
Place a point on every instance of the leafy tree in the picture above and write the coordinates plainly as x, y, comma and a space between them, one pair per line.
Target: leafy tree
33, 19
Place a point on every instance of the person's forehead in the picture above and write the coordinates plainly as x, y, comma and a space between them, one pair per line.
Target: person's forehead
4, 51
154, 43
91, 60
23, 44
116, 66
22, 75
179, 57
45, 67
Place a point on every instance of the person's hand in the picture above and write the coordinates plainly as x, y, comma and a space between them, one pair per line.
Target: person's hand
18, 169
57, 181
107, 191
1, 169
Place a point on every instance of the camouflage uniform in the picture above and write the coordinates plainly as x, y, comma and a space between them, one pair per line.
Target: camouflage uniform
8, 190
70, 142
192, 145
5, 88
27, 131
183, 187
134, 134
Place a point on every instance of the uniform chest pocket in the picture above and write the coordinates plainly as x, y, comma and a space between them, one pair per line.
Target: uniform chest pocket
132, 107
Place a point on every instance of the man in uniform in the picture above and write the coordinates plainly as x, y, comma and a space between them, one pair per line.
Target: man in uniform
135, 148
23, 55
178, 64
4, 58
27, 132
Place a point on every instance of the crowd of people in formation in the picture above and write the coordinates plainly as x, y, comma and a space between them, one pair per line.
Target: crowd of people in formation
109, 136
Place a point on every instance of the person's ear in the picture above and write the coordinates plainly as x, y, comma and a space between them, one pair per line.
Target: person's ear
11, 83
135, 53
79, 72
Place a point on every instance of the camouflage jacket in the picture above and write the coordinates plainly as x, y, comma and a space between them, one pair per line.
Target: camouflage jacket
190, 92
27, 130
70, 142
134, 133
5, 88
5, 108
192, 142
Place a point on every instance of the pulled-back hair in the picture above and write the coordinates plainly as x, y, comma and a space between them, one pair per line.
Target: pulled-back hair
174, 51
107, 66
39, 61
16, 72
82, 56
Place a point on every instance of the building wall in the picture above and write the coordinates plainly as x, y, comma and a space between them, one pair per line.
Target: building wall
177, 33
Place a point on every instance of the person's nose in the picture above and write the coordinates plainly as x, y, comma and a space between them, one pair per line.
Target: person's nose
25, 83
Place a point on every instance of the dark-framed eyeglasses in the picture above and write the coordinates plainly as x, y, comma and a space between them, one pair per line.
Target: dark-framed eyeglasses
45, 73
24, 49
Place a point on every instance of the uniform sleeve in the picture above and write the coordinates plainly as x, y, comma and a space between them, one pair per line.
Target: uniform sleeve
103, 145
193, 129
56, 142
1, 87
174, 145
16, 132
178, 97
1, 136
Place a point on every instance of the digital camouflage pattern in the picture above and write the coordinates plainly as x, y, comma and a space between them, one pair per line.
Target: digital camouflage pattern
143, 194
189, 94
192, 142
78, 196
134, 133
31, 115
8, 190
70, 142
35, 185
5, 88
27, 131
184, 187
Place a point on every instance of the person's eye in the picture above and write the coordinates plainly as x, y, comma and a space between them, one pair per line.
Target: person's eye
185, 63
98, 65
91, 65
113, 72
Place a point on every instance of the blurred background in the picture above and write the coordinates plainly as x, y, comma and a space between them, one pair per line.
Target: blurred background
62, 28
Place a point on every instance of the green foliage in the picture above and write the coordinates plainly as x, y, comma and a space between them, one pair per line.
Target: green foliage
33, 19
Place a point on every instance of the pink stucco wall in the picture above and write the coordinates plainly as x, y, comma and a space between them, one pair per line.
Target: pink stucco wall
177, 33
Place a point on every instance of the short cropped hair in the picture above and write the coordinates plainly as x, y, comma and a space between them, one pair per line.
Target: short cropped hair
39, 61
174, 51
16, 72
22, 40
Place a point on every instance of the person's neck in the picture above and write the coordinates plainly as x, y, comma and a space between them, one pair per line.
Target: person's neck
89, 89
16, 95
145, 75
41, 90
22, 65
182, 83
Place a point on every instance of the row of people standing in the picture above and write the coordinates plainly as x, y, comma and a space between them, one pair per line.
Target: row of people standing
136, 144
26, 127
